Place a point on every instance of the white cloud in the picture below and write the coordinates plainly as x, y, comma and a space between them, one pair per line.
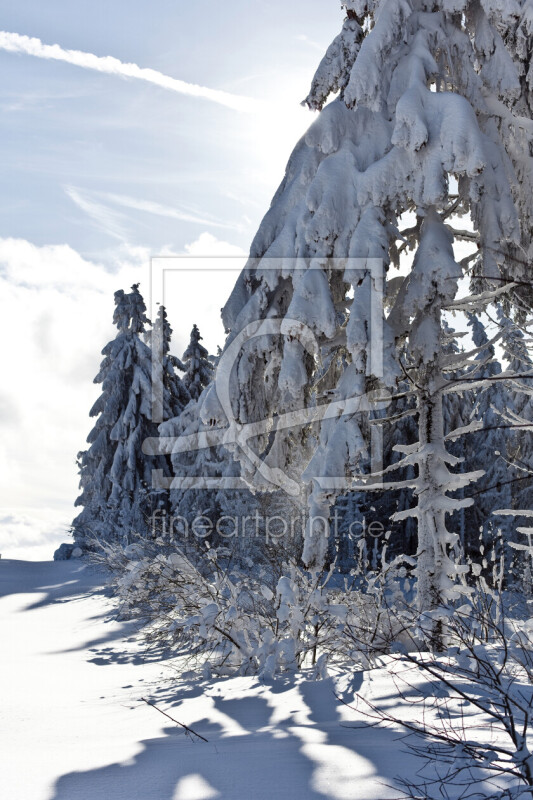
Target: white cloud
209, 245
15, 43
57, 309
32, 534
60, 267
196, 285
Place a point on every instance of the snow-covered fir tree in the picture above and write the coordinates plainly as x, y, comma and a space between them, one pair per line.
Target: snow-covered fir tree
169, 391
488, 446
208, 500
431, 122
402, 429
361, 519
518, 416
519, 409
457, 410
196, 471
428, 291
197, 467
115, 475
198, 365
348, 534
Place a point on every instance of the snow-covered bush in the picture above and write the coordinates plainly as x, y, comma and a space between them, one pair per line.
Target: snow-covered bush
473, 707
225, 617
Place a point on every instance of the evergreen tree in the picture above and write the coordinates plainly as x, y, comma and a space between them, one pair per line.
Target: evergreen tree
519, 411
208, 499
196, 472
348, 534
429, 290
115, 476
402, 430
198, 366
518, 415
487, 447
170, 394
457, 410
197, 467
430, 125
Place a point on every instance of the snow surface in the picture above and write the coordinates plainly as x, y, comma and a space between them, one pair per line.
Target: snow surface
73, 725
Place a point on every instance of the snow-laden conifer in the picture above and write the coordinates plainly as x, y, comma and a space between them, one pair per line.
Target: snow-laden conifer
489, 445
169, 391
115, 475
518, 415
198, 366
519, 409
196, 464
431, 124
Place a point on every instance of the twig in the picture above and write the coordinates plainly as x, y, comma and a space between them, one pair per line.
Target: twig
186, 727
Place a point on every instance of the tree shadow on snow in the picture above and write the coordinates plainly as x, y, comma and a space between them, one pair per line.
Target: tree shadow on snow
105, 656
259, 747
56, 582
59, 581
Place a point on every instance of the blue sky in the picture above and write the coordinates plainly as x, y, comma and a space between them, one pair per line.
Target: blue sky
63, 126
99, 173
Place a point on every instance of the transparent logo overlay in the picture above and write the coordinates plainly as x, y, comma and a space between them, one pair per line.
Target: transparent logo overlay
239, 436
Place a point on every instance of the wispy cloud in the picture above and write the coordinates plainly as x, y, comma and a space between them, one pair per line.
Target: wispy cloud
22, 101
315, 45
16, 43
113, 222
109, 221
160, 210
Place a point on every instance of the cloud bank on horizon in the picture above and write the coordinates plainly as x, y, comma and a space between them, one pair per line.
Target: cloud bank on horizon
57, 306
17, 43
